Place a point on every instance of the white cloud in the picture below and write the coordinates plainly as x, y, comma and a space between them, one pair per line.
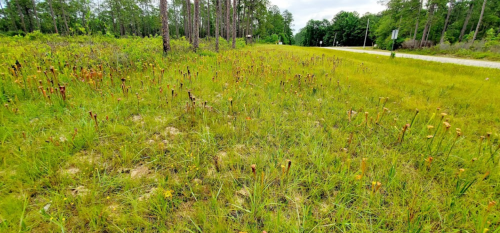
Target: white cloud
305, 10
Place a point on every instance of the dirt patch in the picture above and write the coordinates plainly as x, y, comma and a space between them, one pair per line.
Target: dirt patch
137, 118
63, 139
70, 171
242, 193
185, 209
147, 195
79, 191
222, 154
172, 131
240, 148
240, 196
139, 172
87, 158
160, 119
114, 210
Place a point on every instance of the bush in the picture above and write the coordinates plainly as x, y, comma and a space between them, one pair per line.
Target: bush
272, 39
35, 35
16, 33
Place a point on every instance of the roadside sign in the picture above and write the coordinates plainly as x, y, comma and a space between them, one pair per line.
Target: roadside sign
395, 34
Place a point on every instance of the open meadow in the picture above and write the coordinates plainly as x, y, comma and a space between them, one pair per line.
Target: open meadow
110, 135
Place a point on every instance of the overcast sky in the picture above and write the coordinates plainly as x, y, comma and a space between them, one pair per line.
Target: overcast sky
304, 10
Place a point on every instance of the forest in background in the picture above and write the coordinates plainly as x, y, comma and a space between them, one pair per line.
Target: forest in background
119, 18
450, 24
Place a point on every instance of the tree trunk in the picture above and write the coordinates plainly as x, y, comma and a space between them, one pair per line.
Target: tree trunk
114, 21
36, 15
164, 26
184, 12
466, 22
238, 16
21, 15
428, 32
53, 17
190, 21
242, 23
122, 28
228, 21
120, 21
217, 16
143, 26
234, 24
247, 29
251, 16
221, 18
30, 20
450, 8
429, 21
196, 33
479, 22
208, 18
64, 16
176, 19
416, 25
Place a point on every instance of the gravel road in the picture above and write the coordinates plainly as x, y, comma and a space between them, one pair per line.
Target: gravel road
465, 62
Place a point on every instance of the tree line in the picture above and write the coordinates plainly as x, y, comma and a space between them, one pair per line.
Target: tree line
118, 18
421, 23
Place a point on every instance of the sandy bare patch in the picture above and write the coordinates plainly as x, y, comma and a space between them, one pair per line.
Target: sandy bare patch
63, 139
197, 181
114, 210
139, 172
46, 207
222, 154
79, 191
160, 119
185, 209
147, 195
137, 118
7, 173
70, 171
317, 124
239, 148
86, 157
211, 172
297, 198
240, 196
243, 192
172, 131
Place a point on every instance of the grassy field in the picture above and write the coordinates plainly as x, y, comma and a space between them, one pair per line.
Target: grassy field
106, 135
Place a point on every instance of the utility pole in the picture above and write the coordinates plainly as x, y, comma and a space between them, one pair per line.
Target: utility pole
334, 39
366, 34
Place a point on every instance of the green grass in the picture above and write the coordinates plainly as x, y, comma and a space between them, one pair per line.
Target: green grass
155, 159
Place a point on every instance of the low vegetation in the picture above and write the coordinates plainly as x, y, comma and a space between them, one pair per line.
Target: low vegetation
100, 134
488, 49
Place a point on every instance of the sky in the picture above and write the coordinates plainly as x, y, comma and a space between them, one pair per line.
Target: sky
304, 10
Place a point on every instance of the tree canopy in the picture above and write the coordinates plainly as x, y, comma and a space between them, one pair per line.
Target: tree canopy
420, 23
119, 18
